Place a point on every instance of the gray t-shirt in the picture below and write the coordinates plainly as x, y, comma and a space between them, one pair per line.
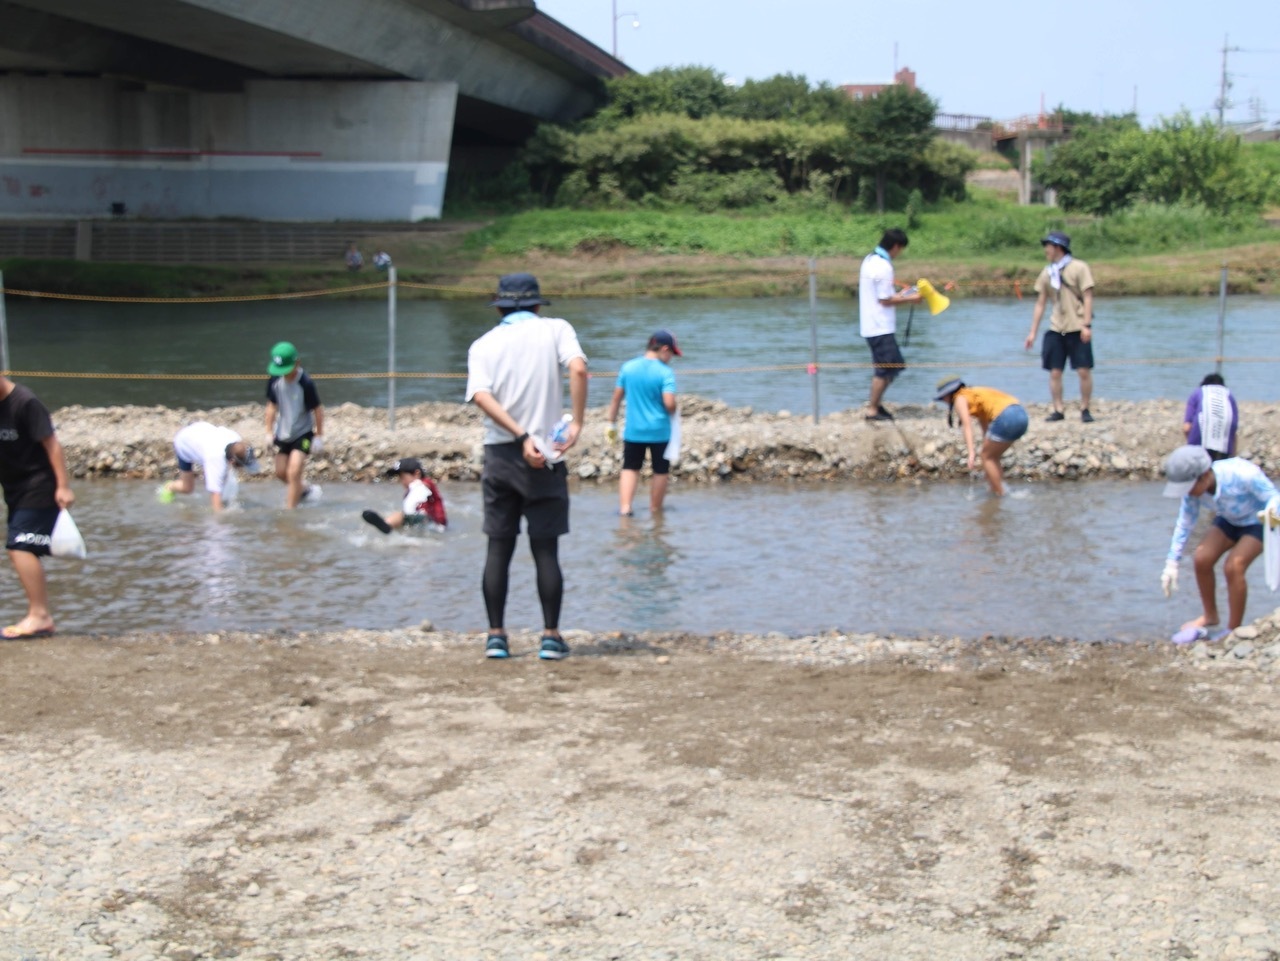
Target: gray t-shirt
295, 401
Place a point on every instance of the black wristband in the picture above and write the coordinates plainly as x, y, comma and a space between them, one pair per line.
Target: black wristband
522, 438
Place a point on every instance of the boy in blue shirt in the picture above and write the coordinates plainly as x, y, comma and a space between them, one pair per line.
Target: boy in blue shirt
1236, 490
649, 385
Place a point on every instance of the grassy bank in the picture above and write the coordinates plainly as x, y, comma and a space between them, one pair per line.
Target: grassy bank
984, 246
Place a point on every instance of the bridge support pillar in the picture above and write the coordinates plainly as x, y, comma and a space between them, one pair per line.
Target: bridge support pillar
278, 150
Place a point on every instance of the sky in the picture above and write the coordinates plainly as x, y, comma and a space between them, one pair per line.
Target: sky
996, 60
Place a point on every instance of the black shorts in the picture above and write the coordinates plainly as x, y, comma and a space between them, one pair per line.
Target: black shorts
633, 452
30, 530
513, 489
886, 356
1057, 348
302, 443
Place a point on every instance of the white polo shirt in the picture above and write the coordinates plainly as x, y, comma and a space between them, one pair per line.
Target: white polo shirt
875, 283
519, 362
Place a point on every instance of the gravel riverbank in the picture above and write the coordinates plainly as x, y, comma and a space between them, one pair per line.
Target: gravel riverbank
1129, 440
392, 795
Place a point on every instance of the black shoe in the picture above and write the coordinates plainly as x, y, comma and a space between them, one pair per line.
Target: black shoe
1086, 416
879, 415
1056, 415
883, 413
374, 518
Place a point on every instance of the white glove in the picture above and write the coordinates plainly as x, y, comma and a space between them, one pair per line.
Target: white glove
317, 444
1169, 579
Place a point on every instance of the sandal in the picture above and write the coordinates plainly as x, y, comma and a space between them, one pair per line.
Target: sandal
1189, 635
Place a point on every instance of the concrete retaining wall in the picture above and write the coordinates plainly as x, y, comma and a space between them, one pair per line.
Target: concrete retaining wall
282, 150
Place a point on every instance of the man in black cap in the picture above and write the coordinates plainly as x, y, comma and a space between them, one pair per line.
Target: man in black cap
1069, 283
514, 377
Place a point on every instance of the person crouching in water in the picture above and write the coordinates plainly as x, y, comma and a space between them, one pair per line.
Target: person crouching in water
422, 501
1236, 490
1002, 418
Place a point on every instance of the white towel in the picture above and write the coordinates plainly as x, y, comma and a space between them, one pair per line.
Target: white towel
1055, 272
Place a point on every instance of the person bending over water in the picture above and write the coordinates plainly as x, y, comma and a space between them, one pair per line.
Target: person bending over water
1002, 419
1236, 490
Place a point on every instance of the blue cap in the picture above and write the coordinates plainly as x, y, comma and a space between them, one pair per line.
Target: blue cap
664, 338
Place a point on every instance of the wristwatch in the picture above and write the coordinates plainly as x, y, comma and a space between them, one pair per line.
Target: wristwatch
522, 438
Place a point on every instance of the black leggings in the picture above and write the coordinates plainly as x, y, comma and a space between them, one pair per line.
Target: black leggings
546, 561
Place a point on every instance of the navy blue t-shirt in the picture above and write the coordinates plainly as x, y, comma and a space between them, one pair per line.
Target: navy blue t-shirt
25, 471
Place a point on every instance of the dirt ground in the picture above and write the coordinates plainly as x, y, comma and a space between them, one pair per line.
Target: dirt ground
394, 795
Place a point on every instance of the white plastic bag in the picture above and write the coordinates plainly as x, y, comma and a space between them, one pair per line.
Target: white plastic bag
230, 488
66, 540
672, 451
1271, 545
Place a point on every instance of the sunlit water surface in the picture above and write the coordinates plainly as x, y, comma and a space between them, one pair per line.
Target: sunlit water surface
1145, 348
1074, 560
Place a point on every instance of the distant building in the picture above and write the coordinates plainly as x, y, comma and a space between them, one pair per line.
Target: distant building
906, 77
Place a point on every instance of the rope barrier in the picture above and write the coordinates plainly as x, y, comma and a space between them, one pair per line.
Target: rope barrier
684, 371
1013, 286
240, 299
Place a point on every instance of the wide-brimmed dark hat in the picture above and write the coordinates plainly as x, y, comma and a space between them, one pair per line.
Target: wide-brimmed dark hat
518, 290
947, 385
1059, 238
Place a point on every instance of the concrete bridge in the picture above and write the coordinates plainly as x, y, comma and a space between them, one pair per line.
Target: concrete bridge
304, 110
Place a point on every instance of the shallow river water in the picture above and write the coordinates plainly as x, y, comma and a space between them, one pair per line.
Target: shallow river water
1075, 560
1145, 348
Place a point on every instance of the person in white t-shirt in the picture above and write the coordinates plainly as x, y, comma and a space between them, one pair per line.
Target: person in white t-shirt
217, 450
878, 317
514, 377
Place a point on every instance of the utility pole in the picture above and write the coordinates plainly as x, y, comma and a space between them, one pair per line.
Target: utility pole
1224, 84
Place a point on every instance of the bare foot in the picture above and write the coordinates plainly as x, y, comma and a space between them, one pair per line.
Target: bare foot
29, 627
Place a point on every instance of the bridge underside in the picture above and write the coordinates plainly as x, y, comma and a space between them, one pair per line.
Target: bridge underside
271, 109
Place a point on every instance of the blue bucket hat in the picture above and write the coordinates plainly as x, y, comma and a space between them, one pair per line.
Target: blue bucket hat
518, 290
1059, 238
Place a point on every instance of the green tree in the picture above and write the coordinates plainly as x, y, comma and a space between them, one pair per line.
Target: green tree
1108, 167
891, 132
1078, 120
789, 97
689, 91
668, 156
1195, 163
1097, 171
